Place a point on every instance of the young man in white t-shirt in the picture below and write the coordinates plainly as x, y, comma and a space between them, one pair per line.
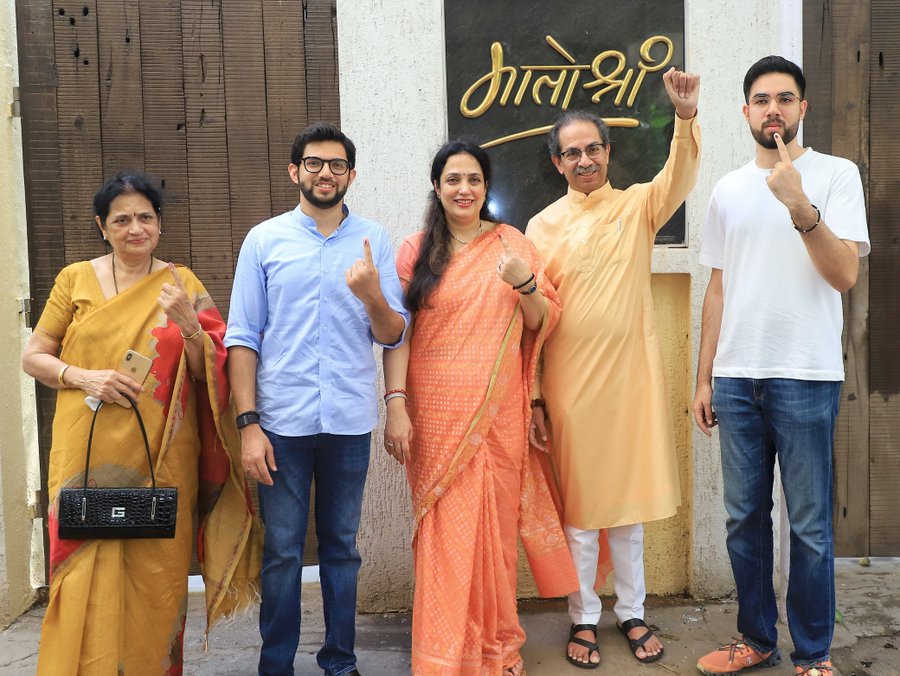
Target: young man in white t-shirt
783, 237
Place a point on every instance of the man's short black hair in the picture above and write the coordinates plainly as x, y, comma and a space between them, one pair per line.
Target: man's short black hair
322, 131
774, 64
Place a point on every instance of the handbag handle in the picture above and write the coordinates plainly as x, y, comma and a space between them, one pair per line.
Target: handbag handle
87, 462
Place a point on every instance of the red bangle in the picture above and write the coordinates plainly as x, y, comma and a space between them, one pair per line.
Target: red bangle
397, 391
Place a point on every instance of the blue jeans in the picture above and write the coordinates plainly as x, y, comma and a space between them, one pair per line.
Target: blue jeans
792, 420
338, 463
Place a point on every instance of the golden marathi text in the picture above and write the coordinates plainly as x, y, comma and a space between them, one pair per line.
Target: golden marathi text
609, 70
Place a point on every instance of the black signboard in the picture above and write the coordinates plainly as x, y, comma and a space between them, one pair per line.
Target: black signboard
514, 65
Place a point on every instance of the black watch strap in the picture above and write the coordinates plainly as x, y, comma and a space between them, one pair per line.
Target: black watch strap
247, 418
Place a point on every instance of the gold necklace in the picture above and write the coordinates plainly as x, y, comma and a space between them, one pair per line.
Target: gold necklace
457, 239
115, 281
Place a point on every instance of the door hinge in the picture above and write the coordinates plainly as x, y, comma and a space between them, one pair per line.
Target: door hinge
37, 507
15, 108
25, 310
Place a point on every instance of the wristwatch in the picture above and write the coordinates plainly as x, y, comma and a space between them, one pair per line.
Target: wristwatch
247, 418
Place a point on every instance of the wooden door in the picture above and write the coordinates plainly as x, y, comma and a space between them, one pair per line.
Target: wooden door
852, 64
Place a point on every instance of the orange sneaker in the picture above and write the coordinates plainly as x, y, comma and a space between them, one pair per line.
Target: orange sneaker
735, 658
820, 668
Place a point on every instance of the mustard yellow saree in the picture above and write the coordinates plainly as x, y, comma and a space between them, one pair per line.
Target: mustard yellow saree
119, 606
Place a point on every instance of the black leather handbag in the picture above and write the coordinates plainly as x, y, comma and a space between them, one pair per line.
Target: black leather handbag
112, 513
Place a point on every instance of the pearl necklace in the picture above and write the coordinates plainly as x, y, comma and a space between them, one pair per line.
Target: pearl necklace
115, 281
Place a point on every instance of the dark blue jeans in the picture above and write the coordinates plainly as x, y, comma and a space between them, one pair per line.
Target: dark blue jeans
338, 464
792, 420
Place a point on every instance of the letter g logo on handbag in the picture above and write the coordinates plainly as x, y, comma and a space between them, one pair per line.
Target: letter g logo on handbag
118, 513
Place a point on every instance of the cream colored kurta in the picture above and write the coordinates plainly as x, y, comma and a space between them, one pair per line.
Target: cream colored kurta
603, 380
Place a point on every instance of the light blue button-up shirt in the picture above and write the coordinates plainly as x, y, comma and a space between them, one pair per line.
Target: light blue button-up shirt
291, 304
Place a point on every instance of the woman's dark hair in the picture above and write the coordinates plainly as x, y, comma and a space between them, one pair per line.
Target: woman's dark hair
436, 249
123, 183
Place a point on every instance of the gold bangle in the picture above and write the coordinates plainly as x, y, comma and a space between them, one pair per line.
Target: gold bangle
61, 375
193, 335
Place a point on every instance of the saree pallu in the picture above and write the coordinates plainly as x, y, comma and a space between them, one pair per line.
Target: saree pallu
474, 481
119, 606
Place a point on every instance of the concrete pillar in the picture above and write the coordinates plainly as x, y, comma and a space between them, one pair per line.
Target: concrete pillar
21, 551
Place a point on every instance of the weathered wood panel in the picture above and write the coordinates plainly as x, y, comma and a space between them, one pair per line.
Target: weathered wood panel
165, 135
321, 61
121, 88
78, 117
884, 225
207, 146
836, 47
247, 128
285, 93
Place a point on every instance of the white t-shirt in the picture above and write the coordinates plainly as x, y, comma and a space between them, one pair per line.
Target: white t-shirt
780, 318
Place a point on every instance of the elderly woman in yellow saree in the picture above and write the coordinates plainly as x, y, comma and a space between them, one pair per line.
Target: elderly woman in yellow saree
482, 308
119, 605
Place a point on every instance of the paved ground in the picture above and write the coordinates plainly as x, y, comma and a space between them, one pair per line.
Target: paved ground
866, 642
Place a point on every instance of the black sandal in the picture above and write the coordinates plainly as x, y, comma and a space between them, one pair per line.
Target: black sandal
592, 647
635, 643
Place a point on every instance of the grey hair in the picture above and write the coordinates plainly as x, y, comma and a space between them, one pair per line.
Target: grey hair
571, 117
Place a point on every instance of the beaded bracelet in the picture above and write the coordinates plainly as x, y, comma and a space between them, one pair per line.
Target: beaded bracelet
813, 226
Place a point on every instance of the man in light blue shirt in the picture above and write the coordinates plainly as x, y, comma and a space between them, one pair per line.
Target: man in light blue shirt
314, 288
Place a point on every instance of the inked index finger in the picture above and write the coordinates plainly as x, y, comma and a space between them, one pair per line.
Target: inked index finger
178, 283
367, 251
506, 245
782, 149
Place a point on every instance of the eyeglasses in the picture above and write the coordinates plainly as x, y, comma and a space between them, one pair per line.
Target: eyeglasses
314, 165
593, 151
763, 100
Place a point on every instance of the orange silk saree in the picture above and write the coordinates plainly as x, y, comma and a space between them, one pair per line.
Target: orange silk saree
475, 482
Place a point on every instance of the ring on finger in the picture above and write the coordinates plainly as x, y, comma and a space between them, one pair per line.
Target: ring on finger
388, 443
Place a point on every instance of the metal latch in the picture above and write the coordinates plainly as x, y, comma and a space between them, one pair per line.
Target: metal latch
25, 309
15, 109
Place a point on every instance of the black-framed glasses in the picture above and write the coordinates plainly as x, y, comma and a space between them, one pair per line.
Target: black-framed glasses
593, 151
314, 165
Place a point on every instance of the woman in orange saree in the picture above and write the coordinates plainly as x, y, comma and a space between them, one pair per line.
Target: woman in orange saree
119, 605
482, 308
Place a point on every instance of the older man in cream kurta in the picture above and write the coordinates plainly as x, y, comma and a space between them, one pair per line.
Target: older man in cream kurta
603, 380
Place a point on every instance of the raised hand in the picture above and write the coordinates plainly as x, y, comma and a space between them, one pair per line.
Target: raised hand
362, 277
177, 304
512, 268
683, 90
784, 181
